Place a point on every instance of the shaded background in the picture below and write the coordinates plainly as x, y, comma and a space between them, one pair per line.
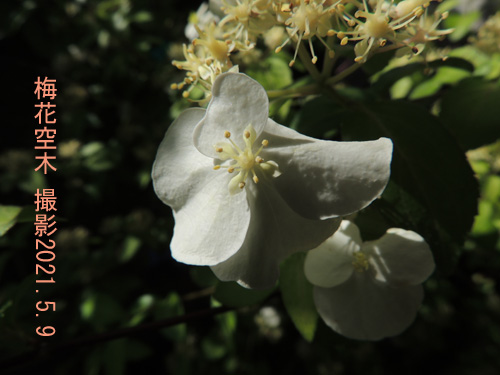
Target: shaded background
111, 60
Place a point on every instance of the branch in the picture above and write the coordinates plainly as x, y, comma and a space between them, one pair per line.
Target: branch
58, 349
294, 92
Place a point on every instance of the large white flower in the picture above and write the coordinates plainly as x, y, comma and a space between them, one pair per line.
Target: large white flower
369, 290
247, 192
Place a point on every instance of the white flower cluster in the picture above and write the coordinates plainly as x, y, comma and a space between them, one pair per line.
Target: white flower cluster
247, 192
222, 28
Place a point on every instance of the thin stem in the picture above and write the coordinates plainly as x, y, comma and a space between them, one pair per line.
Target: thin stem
129, 331
390, 47
343, 74
306, 60
328, 62
293, 92
199, 294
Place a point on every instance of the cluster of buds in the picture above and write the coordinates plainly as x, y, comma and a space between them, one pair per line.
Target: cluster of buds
488, 35
228, 26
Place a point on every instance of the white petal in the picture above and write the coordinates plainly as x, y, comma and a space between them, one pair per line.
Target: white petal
275, 232
237, 101
350, 231
179, 167
400, 257
365, 309
330, 264
336, 178
210, 225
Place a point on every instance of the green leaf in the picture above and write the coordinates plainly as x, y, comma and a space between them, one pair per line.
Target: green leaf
491, 189
462, 23
401, 88
100, 309
273, 73
233, 295
8, 216
486, 221
98, 157
203, 276
471, 111
483, 224
444, 76
130, 246
318, 117
427, 161
213, 349
387, 79
27, 215
297, 295
279, 109
487, 66
141, 309
142, 17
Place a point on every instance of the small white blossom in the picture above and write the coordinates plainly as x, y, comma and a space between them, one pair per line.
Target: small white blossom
201, 19
369, 290
247, 192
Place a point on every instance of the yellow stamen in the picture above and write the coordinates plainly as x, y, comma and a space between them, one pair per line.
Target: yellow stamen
360, 262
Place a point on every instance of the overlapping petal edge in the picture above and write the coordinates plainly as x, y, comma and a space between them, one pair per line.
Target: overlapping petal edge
246, 235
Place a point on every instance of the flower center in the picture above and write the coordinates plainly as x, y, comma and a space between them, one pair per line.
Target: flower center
360, 262
377, 26
244, 162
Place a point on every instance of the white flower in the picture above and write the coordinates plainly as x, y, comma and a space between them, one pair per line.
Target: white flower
201, 19
369, 290
283, 193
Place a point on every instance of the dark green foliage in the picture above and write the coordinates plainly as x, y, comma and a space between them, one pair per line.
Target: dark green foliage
471, 112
